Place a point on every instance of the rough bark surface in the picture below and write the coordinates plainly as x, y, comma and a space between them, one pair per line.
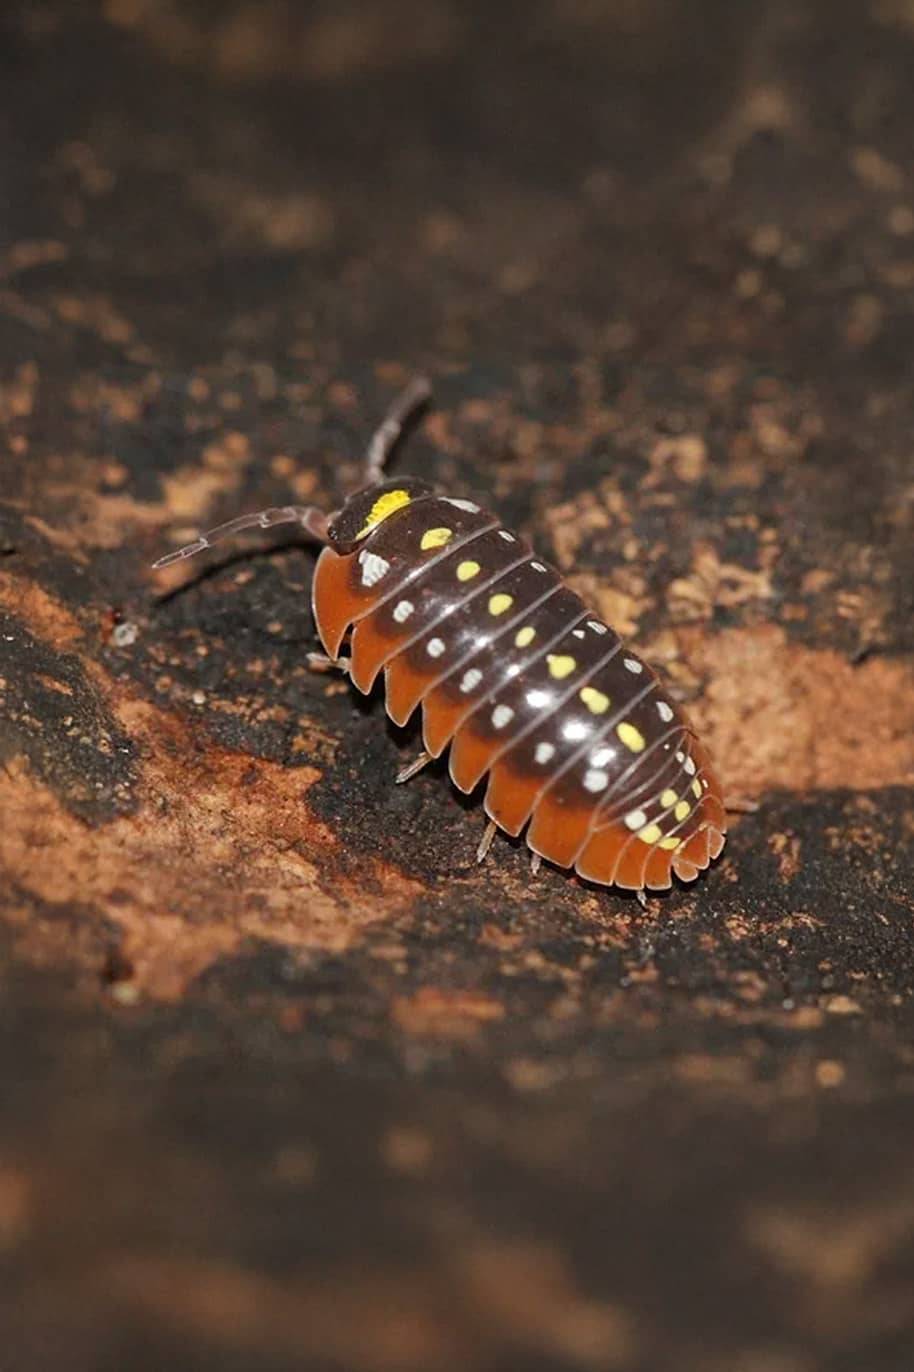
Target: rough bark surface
287, 1080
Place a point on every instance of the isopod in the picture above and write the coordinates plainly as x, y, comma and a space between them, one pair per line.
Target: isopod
584, 751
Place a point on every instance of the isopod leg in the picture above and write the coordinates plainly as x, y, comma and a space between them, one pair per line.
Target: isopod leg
413, 767
485, 843
320, 662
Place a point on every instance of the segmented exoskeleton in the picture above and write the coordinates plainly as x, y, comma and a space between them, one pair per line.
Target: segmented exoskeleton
584, 751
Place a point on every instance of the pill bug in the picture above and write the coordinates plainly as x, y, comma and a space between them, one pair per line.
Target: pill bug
584, 751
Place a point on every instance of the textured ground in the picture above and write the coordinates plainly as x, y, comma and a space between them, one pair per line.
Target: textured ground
288, 1082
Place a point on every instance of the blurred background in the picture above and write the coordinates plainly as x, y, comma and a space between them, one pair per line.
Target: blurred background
446, 180
288, 1081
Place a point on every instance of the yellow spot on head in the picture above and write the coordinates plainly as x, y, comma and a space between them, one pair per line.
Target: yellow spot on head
525, 636
667, 799
467, 570
384, 506
499, 603
682, 809
596, 702
435, 538
630, 736
650, 833
560, 665
670, 843
696, 788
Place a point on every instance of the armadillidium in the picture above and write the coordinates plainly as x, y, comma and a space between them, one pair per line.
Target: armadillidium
584, 751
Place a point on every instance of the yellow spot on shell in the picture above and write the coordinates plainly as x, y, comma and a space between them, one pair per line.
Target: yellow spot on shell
384, 506
560, 665
650, 833
596, 701
499, 603
669, 843
467, 570
682, 809
525, 636
667, 799
435, 538
630, 736
696, 788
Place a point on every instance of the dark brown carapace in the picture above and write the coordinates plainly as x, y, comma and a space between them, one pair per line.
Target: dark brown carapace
583, 749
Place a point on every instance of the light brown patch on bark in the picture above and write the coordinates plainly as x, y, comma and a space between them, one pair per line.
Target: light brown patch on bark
223, 848
777, 714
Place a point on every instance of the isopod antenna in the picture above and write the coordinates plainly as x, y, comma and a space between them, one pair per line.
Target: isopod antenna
412, 398
311, 519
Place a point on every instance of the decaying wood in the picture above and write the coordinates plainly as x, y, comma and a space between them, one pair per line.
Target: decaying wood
289, 1080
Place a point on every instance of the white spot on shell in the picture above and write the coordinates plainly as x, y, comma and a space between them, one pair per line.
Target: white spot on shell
664, 711
435, 647
680, 757
373, 567
595, 780
462, 504
633, 665
635, 819
402, 610
538, 699
507, 536
577, 633
602, 756
575, 730
470, 680
597, 627
690, 766
539, 566
543, 753
502, 715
